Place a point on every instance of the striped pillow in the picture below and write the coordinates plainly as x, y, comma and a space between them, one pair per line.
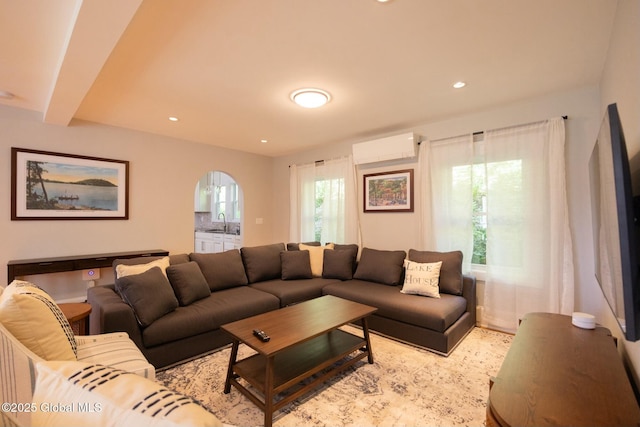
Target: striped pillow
99, 395
35, 320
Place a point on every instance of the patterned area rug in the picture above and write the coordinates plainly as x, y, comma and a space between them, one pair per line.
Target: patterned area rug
406, 386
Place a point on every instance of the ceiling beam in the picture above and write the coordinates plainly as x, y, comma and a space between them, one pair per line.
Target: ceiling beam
95, 29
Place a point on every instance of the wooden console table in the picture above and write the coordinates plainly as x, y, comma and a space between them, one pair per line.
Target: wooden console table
70, 263
558, 374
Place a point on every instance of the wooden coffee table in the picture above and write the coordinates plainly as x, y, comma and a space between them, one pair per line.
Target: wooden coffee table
304, 340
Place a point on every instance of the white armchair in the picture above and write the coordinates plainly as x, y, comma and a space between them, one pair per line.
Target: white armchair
34, 315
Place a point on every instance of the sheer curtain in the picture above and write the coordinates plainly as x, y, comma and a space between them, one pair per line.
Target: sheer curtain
532, 267
323, 202
529, 255
446, 172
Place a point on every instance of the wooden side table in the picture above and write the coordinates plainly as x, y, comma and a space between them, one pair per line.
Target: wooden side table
77, 313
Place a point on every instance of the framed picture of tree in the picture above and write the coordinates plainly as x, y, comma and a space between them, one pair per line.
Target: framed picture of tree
389, 191
56, 186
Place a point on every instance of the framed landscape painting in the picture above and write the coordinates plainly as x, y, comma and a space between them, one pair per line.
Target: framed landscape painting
46, 185
389, 191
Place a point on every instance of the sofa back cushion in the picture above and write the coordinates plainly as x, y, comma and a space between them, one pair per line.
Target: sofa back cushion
188, 282
262, 262
381, 266
222, 270
450, 272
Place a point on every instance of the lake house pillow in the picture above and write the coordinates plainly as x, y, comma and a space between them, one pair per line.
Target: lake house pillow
421, 278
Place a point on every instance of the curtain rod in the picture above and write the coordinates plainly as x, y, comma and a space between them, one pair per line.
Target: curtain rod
482, 132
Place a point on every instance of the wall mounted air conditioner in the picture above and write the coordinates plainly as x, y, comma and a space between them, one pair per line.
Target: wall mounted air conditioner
391, 148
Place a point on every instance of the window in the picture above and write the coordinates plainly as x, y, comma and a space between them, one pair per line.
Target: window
502, 202
329, 210
497, 176
323, 205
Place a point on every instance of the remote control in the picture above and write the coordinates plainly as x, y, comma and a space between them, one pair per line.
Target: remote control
261, 335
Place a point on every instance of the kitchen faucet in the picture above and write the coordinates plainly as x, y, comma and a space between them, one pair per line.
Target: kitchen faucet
224, 218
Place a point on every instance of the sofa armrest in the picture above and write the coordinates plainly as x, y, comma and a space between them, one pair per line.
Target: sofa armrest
469, 293
109, 313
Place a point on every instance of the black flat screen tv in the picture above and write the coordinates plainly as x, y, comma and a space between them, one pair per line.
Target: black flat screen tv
615, 224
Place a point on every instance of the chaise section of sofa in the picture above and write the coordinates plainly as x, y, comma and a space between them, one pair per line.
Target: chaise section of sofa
438, 324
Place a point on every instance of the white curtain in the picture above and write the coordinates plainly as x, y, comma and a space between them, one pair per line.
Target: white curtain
529, 255
450, 227
323, 202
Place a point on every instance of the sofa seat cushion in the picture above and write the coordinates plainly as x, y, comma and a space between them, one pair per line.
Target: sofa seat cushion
208, 314
294, 291
430, 313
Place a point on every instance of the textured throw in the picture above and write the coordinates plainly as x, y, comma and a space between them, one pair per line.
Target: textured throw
406, 386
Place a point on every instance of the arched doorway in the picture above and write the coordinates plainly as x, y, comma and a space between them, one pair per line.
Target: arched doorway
218, 208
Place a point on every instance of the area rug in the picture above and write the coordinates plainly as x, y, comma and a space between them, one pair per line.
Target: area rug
406, 386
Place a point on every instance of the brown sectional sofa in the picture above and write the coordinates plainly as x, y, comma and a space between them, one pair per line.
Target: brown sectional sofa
173, 310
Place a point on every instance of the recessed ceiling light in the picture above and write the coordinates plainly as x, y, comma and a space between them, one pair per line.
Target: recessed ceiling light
173, 119
310, 98
459, 85
264, 141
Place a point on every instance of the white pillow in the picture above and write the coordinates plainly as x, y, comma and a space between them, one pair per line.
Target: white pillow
316, 257
422, 278
123, 270
96, 395
35, 320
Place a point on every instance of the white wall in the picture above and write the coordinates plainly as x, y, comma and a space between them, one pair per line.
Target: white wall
401, 231
163, 175
621, 84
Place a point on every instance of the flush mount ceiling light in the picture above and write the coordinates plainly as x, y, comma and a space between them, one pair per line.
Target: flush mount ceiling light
459, 85
173, 119
310, 98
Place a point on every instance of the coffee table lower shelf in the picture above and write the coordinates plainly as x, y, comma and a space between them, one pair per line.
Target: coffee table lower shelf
292, 366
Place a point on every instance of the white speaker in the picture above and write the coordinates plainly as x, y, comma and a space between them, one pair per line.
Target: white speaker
583, 320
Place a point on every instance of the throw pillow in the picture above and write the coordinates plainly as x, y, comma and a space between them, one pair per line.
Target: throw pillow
35, 320
296, 246
381, 266
222, 270
295, 265
338, 264
421, 278
96, 395
316, 254
262, 262
451, 271
149, 294
188, 282
133, 266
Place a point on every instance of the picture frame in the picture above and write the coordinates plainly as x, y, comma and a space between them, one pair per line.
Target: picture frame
56, 186
388, 191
